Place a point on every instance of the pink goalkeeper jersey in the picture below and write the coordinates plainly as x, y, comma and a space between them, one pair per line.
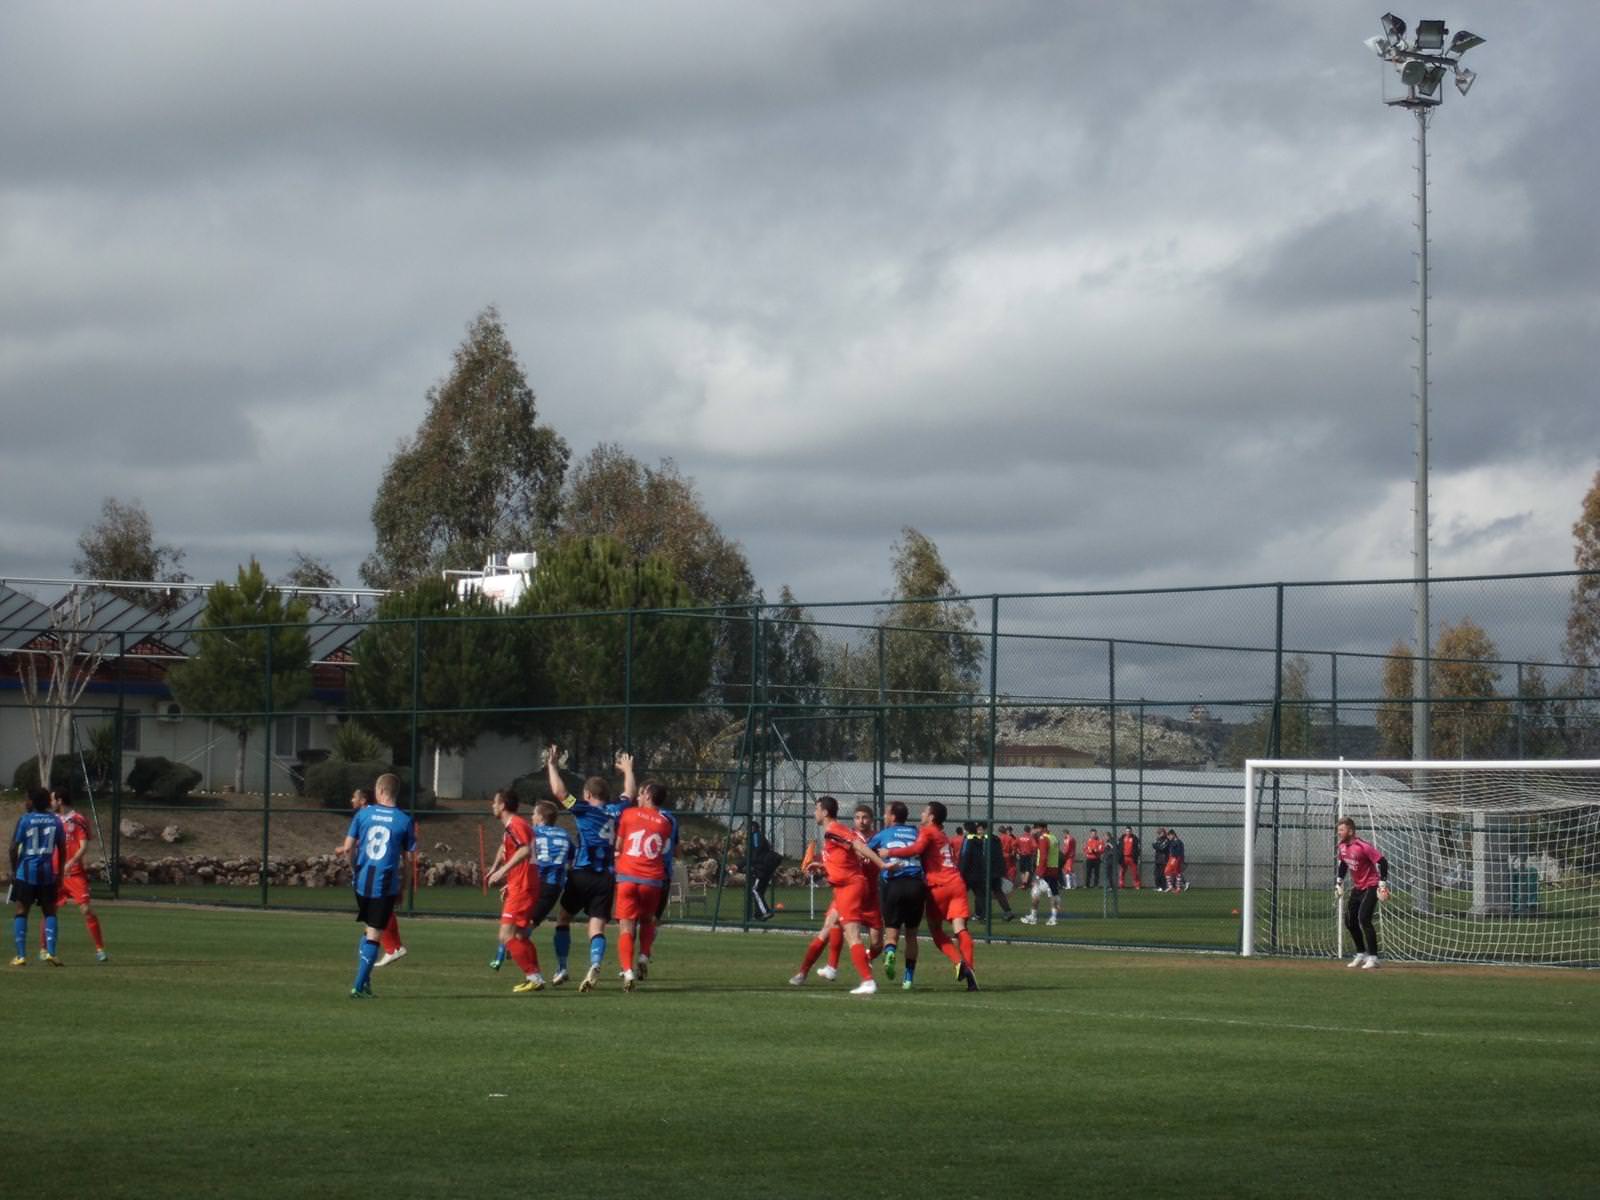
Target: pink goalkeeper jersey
1362, 859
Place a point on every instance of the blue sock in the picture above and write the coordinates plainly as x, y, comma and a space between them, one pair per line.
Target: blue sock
50, 929
597, 949
499, 955
19, 930
911, 971
368, 954
563, 946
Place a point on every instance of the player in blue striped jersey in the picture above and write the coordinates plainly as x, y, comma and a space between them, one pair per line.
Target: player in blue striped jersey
592, 882
38, 853
905, 891
385, 843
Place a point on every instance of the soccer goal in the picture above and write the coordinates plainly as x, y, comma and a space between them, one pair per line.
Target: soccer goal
1489, 862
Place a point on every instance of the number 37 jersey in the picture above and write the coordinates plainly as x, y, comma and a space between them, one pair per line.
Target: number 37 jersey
646, 839
383, 835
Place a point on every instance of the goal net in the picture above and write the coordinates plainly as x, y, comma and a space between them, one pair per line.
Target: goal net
1489, 862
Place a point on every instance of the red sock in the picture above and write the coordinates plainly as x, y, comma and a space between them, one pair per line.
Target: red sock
389, 939
945, 946
873, 953
835, 945
647, 938
813, 952
93, 922
522, 954
965, 939
858, 956
625, 950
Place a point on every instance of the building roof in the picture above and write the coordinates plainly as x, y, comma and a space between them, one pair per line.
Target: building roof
21, 619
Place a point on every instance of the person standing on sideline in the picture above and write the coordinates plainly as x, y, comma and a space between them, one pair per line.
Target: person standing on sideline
385, 844
1048, 881
74, 875
38, 851
1369, 876
1069, 855
1174, 868
1128, 848
1092, 850
1025, 852
764, 863
1160, 848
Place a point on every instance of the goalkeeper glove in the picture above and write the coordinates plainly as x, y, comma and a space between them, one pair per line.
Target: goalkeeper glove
1338, 890
1383, 891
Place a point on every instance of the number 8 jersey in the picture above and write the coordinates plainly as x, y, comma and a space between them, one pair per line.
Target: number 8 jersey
646, 839
383, 835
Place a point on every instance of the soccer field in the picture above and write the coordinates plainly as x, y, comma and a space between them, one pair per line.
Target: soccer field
219, 1054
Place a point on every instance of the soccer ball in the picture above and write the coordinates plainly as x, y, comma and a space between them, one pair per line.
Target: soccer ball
778, 906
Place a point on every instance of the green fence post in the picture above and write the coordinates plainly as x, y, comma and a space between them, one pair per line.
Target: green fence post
416, 743
1109, 897
627, 687
1333, 672
1519, 712
994, 722
266, 775
880, 766
116, 777
1276, 751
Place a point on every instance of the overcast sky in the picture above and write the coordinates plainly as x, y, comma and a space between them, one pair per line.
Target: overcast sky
1092, 294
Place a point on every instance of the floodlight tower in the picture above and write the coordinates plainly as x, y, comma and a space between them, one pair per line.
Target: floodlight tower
1422, 63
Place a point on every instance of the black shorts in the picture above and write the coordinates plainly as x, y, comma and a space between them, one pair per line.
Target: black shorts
1052, 880
549, 895
1025, 863
375, 911
589, 892
904, 898
42, 894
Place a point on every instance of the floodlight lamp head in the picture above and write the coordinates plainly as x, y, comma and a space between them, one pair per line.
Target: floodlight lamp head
1380, 45
1464, 41
1431, 78
1412, 73
1464, 79
1393, 28
1430, 35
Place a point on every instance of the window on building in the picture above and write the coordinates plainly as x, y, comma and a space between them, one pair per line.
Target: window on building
130, 733
291, 735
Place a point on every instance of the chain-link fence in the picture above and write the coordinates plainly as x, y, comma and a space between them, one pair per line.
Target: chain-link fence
1104, 715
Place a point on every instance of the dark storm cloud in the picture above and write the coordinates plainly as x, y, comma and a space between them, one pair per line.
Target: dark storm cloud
1088, 293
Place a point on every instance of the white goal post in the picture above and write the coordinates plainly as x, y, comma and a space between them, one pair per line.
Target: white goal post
1489, 861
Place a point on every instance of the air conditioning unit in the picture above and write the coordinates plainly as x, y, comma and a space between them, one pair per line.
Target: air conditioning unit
169, 712
335, 718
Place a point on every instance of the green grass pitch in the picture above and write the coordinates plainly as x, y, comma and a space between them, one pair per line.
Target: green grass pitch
219, 1054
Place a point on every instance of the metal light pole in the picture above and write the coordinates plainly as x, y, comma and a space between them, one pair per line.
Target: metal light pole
1422, 63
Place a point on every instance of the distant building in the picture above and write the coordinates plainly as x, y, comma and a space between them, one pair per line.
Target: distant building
1016, 754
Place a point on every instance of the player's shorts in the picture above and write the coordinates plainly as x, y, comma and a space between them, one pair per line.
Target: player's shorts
375, 911
1052, 881
903, 899
850, 900
871, 906
74, 888
549, 897
1025, 864
1174, 867
637, 901
947, 902
589, 892
517, 908
35, 893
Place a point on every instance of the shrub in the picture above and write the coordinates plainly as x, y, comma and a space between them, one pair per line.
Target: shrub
353, 744
331, 783
157, 778
64, 772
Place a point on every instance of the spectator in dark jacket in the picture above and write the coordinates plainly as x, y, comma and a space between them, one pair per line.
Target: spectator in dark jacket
764, 863
1160, 848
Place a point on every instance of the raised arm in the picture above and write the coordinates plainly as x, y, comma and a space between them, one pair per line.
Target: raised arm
552, 766
914, 850
630, 782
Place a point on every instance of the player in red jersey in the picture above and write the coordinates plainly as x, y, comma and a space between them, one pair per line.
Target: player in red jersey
1369, 874
647, 837
74, 875
389, 939
844, 853
520, 894
865, 822
947, 892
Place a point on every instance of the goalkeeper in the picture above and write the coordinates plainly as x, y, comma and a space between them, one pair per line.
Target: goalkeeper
1368, 870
